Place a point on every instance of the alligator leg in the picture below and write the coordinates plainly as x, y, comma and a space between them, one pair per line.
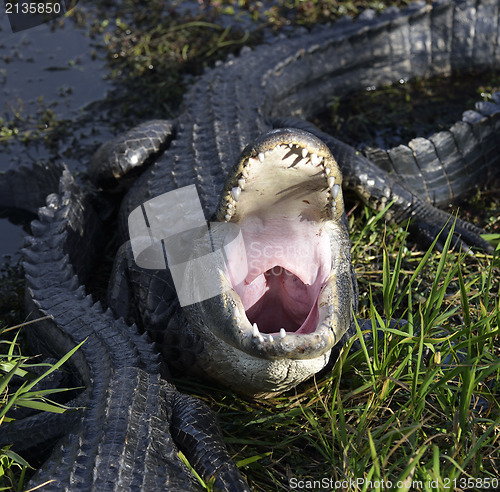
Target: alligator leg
196, 433
117, 163
379, 189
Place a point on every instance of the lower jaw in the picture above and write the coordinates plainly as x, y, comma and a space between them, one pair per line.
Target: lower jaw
254, 376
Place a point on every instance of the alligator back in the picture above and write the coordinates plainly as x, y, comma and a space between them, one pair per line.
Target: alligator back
238, 100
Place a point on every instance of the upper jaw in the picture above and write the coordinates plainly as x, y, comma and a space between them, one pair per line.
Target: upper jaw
317, 178
292, 297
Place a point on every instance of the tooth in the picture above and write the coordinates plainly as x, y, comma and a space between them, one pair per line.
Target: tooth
290, 145
227, 216
304, 153
241, 183
261, 156
236, 312
282, 333
255, 331
327, 170
331, 181
335, 191
229, 205
244, 173
315, 160
271, 339
236, 192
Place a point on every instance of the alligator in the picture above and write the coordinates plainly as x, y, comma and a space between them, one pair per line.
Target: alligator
228, 110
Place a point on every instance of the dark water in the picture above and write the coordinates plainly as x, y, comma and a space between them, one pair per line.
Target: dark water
49, 73
12, 237
392, 115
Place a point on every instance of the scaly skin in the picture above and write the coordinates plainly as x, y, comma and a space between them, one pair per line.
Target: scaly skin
295, 77
131, 423
226, 109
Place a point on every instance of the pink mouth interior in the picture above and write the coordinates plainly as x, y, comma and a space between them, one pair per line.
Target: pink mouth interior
279, 299
288, 261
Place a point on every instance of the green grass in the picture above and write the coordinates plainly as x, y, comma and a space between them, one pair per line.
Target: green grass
13, 468
401, 411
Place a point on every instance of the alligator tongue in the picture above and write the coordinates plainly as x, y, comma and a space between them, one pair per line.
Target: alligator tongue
285, 302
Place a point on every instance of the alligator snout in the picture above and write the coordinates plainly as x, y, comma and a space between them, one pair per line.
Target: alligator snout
295, 298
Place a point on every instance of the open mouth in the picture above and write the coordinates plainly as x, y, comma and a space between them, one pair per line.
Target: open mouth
289, 262
288, 283
281, 298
